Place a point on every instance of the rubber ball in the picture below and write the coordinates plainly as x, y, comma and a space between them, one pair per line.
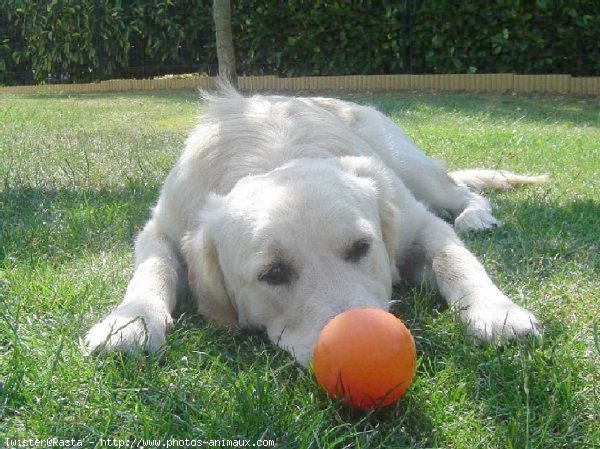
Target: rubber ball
366, 357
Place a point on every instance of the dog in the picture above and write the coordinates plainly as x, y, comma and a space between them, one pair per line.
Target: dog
283, 212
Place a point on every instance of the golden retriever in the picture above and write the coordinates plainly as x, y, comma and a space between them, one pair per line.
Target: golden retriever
283, 212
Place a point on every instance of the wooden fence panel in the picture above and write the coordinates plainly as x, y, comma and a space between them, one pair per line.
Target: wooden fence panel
496, 82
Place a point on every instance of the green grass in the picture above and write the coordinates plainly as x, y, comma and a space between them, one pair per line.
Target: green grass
78, 176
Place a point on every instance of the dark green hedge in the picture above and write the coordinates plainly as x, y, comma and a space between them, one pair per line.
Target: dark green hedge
80, 40
541, 36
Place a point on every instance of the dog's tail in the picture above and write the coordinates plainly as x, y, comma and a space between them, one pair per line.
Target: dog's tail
477, 180
224, 90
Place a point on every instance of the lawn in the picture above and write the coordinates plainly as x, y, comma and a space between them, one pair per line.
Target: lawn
78, 176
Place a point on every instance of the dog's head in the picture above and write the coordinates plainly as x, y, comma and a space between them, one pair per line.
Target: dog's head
288, 250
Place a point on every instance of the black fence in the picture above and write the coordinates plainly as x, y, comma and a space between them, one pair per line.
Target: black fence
66, 41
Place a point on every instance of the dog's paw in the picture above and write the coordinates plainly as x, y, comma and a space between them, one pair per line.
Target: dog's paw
476, 219
124, 332
495, 321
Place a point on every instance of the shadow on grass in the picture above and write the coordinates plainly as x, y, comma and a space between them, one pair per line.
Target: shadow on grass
510, 385
540, 109
542, 238
220, 383
58, 224
176, 94
525, 392
528, 389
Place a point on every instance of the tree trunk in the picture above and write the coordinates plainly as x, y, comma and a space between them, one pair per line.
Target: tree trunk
224, 39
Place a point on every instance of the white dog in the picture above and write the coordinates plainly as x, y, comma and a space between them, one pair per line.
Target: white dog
283, 212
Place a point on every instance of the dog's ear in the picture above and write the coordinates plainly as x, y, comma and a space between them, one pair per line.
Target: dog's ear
364, 167
205, 276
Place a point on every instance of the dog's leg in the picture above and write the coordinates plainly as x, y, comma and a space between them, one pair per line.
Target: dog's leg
476, 215
463, 282
437, 190
143, 318
429, 183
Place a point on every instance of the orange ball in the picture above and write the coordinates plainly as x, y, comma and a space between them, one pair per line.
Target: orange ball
366, 357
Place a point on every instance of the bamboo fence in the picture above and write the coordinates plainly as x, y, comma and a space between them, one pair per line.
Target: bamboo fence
501, 82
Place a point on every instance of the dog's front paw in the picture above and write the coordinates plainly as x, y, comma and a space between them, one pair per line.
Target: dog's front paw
476, 219
125, 331
494, 321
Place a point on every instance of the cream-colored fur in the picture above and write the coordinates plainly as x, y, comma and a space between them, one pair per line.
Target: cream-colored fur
283, 212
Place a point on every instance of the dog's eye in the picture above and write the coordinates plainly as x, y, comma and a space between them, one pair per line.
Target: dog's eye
357, 251
278, 273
